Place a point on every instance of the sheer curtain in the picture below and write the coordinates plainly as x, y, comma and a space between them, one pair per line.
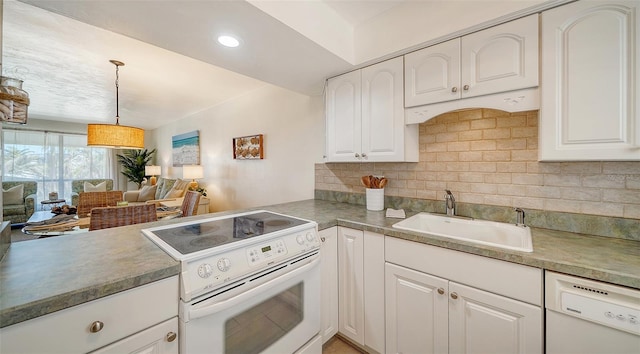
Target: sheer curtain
53, 160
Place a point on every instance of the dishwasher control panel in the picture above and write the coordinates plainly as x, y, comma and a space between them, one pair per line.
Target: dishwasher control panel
607, 304
612, 315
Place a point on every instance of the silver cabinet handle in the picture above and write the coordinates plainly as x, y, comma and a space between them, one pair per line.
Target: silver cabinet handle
171, 336
357, 155
96, 327
322, 239
440, 291
454, 89
364, 156
465, 87
454, 296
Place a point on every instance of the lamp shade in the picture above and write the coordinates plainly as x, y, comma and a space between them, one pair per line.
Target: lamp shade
115, 136
152, 170
192, 172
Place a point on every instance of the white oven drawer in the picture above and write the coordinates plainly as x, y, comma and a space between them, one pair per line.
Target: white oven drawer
68, 331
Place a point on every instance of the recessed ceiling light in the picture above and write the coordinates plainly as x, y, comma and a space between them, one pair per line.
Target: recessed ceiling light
228, 41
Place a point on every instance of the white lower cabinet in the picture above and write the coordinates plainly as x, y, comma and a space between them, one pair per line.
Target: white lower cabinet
139, 320
361, 288
159, 339
329, 282
436, 313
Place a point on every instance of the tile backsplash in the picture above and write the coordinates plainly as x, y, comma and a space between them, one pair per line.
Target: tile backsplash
489, 157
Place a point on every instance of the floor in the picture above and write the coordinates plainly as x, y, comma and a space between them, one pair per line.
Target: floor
336, 345
17, 235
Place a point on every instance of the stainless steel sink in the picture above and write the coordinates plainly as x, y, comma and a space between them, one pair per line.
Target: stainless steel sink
484, 232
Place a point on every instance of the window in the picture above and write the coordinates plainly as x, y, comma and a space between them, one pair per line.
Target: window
53, 160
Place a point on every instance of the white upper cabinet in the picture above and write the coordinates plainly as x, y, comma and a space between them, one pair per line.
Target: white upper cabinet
365, 116
590, 82
432, 74
501, 58
467, 72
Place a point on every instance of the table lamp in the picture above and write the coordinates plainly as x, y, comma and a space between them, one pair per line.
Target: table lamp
192, 172
152, 171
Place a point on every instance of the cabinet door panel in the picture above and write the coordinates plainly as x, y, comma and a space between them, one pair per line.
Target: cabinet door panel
502, 58
344, 117
382, 111
482, 322
416, 314
590, 81
154, 340
351, 287
329, 258
374, 291
433, 74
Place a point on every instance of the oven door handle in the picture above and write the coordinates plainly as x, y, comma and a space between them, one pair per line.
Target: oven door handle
215, 307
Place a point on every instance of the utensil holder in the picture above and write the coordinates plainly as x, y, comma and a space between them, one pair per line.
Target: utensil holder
375, 199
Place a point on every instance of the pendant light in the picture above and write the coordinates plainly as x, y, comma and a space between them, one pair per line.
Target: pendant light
115, 135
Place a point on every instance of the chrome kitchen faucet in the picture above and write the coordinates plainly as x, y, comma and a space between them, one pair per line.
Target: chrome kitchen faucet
449, 203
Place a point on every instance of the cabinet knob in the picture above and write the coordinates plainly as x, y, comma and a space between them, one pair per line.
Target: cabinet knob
454, 296
171, 336
454, 89
96, 327
364, 156
322, 239
357, 155
465, 87
440, 291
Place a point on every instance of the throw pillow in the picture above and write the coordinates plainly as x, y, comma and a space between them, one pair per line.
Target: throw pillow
147, 193
178, 189
100, 187
13, 195
167, 184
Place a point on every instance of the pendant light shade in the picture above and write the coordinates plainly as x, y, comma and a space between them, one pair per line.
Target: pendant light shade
115, 135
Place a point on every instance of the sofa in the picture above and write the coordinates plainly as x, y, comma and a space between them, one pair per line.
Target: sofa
15, 207
77, 186
165, 188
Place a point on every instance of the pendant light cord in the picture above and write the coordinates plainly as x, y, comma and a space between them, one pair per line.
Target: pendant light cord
117, 95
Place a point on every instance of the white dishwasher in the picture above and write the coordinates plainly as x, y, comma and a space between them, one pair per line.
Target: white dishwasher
585, 316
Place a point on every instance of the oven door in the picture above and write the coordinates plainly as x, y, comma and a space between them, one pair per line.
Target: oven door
279, 315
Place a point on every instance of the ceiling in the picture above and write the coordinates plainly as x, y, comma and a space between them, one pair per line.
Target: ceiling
175, 68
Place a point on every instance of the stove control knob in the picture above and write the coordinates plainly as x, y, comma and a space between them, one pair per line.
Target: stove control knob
205, 270
224, 264
300, 239
310, 236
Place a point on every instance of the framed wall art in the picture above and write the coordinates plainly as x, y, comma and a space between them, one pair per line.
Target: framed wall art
248, 147
186, 149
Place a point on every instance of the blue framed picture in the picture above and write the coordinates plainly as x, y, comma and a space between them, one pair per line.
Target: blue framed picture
186, 148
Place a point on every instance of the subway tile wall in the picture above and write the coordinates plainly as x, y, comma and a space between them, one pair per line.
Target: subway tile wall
489, 157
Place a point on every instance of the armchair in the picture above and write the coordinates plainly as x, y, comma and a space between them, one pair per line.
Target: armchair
106, 217
89, 200
20, 212
77, 186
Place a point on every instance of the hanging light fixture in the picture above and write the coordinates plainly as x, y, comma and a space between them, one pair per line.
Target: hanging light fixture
115, 135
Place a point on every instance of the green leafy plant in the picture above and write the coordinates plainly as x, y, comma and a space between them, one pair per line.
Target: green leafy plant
133, 163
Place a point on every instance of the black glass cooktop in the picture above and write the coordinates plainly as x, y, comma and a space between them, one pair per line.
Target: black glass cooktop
207, 234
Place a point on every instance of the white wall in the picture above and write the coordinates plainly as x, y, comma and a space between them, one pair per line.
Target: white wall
293, 128
411, 24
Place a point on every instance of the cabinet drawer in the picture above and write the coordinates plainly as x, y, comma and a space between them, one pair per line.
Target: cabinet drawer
516, 281
68, 331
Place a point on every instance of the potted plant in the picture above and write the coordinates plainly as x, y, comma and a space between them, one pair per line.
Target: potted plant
133, 163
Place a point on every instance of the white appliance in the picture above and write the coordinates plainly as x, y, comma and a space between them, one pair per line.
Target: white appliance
250, 283
585, 316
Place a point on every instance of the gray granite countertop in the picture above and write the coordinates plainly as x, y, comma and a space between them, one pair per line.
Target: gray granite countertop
42, 276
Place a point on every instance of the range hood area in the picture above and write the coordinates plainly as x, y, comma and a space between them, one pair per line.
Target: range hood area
512, 101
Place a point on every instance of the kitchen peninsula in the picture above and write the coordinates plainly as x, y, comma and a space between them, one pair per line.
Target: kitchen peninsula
44, 276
